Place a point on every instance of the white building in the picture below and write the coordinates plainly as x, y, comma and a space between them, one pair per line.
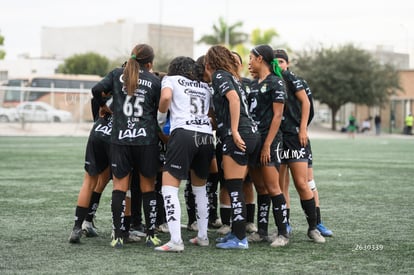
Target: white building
27, 66
116, 39
387, 55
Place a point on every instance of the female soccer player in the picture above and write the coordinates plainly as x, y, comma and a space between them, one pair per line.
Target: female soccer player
134, 139
190, 146
238, 133
266, 102
295, 152
248, 190
96, 171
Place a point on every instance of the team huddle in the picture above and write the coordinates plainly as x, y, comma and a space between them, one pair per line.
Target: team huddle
203, 123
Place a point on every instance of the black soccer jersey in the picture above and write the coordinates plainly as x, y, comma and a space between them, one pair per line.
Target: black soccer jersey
261, 98
310, 97
246, 84
134, 117
223, 82
293, 110
102, 128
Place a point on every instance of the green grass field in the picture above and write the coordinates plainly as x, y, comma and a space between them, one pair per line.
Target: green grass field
366, 188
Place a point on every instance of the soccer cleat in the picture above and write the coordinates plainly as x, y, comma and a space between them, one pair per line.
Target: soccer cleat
152, 241
138, 227
234, 243
324, 231
272, 236
216, 224
289, 230
138, 230
117, 243
75, 235
279, 241
316, 236
170, 247
255, 237
192, 227
131, 237
224, 229
225, 238
137, 233
200, 242
163, 228
89, 230
251, 227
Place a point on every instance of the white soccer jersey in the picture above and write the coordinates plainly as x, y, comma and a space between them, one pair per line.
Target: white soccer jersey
189, 105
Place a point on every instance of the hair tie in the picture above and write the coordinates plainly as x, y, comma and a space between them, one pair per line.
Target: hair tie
133, 56
256, 52
276, 68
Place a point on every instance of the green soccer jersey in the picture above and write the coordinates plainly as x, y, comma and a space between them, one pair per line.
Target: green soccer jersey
222, 83
134, 117
261, 98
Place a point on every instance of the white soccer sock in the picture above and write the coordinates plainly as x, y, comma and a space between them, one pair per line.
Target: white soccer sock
201, 201
172, 211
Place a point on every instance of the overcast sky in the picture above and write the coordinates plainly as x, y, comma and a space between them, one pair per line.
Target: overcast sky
300, 23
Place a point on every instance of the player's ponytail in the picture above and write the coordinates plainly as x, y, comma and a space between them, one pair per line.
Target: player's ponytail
141, 54
131, 74
268, 56
276, 68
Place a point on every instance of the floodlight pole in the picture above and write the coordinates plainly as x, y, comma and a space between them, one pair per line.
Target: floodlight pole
227, 38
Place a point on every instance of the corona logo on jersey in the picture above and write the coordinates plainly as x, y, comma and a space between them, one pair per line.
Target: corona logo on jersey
192, 83
143, 82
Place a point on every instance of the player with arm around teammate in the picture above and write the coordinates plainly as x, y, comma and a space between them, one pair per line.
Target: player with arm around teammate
190, 146
295, 152
266, 102
97, 169
238, 133
134, 139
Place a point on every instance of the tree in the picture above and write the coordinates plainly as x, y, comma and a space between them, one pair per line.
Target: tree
267, 37
347, 75
88, 63
264, 37
257, 37
220, 32
260, 37
2, 52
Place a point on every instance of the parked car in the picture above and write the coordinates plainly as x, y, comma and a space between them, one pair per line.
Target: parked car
8, 115
41, 112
